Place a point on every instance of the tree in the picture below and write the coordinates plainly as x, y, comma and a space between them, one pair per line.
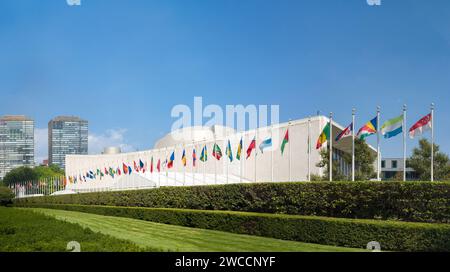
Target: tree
23, 174
364, 163
420, 161
19, 174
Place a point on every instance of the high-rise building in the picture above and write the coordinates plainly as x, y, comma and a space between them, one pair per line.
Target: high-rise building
67, 135
16, 143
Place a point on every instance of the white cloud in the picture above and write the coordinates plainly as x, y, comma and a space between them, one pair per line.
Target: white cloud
40, 144
111, 137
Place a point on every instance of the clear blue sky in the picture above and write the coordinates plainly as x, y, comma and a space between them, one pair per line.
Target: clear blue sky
123, 65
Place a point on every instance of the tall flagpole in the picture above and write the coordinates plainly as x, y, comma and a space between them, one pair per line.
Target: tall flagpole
309, 148
184, 165
330, 166
353, 143
290, 152
256, 150
378, 143
271, 155
432, 141
241, 160
404, 142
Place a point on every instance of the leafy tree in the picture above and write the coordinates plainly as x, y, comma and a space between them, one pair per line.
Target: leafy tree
420, 161
19, 174
22, 174
364, 163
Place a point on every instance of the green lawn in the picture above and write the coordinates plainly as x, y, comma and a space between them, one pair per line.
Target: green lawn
175, 238
26, 231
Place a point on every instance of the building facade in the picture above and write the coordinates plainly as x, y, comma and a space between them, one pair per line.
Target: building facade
392, 168
155, 168
67, 135
16, 143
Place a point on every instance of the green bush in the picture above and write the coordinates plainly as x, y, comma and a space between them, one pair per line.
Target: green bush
406, 201
6, 196
356, 233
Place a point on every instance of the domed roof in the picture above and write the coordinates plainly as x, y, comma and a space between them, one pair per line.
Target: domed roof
193, 134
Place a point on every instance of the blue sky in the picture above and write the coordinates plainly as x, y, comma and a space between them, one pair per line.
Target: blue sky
123, 65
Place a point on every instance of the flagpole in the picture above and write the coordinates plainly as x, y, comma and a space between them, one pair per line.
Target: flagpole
256, 150
353, 143
204, 163
184, 166
432, 141
241, 160
309, 148
378, 143
271, 155
330, 166
290, 154
228, 163
194, 167
404, 142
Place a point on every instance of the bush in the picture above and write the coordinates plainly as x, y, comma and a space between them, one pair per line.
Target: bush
356, 233
406, 201
6, 196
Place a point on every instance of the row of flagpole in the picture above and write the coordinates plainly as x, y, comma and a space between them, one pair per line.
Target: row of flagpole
426, 122
45, 186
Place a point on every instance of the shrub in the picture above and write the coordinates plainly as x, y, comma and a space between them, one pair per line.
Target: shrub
6, 196
356, 233
406, 201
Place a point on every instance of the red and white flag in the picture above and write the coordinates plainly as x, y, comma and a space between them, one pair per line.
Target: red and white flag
421, 126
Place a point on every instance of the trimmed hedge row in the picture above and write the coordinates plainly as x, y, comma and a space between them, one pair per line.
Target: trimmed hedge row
355, 233
405, 201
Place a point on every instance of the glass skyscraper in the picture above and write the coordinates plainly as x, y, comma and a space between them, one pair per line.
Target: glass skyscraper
16, 143
67, 135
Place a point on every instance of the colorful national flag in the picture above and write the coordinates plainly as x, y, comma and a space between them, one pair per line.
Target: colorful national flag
136, 168
239, 150
392, 127
285, 142
217, 152
229, 152
324, 136
171, 160
158, 165
141, 165
125, 168
421, 126
347, 132
151, 165
194, 157
130, 170
183, 158
265, 144
368, 129
204, 154
251, 147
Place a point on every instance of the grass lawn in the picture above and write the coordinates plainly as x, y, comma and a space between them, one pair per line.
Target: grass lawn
175, 238
27, 231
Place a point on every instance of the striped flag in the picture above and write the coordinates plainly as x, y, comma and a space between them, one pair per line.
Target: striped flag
392, 127
347, 132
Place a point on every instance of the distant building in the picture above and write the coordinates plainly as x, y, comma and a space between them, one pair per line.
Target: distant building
67, 135
393, 167
111, 150
16, 143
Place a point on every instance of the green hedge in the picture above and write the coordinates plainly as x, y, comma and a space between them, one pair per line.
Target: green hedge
406, 201
355, 233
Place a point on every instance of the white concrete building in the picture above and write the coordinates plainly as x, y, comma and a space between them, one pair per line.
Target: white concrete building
262, 166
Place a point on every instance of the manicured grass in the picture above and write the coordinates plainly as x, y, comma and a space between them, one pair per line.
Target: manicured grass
26, 231
176, 238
